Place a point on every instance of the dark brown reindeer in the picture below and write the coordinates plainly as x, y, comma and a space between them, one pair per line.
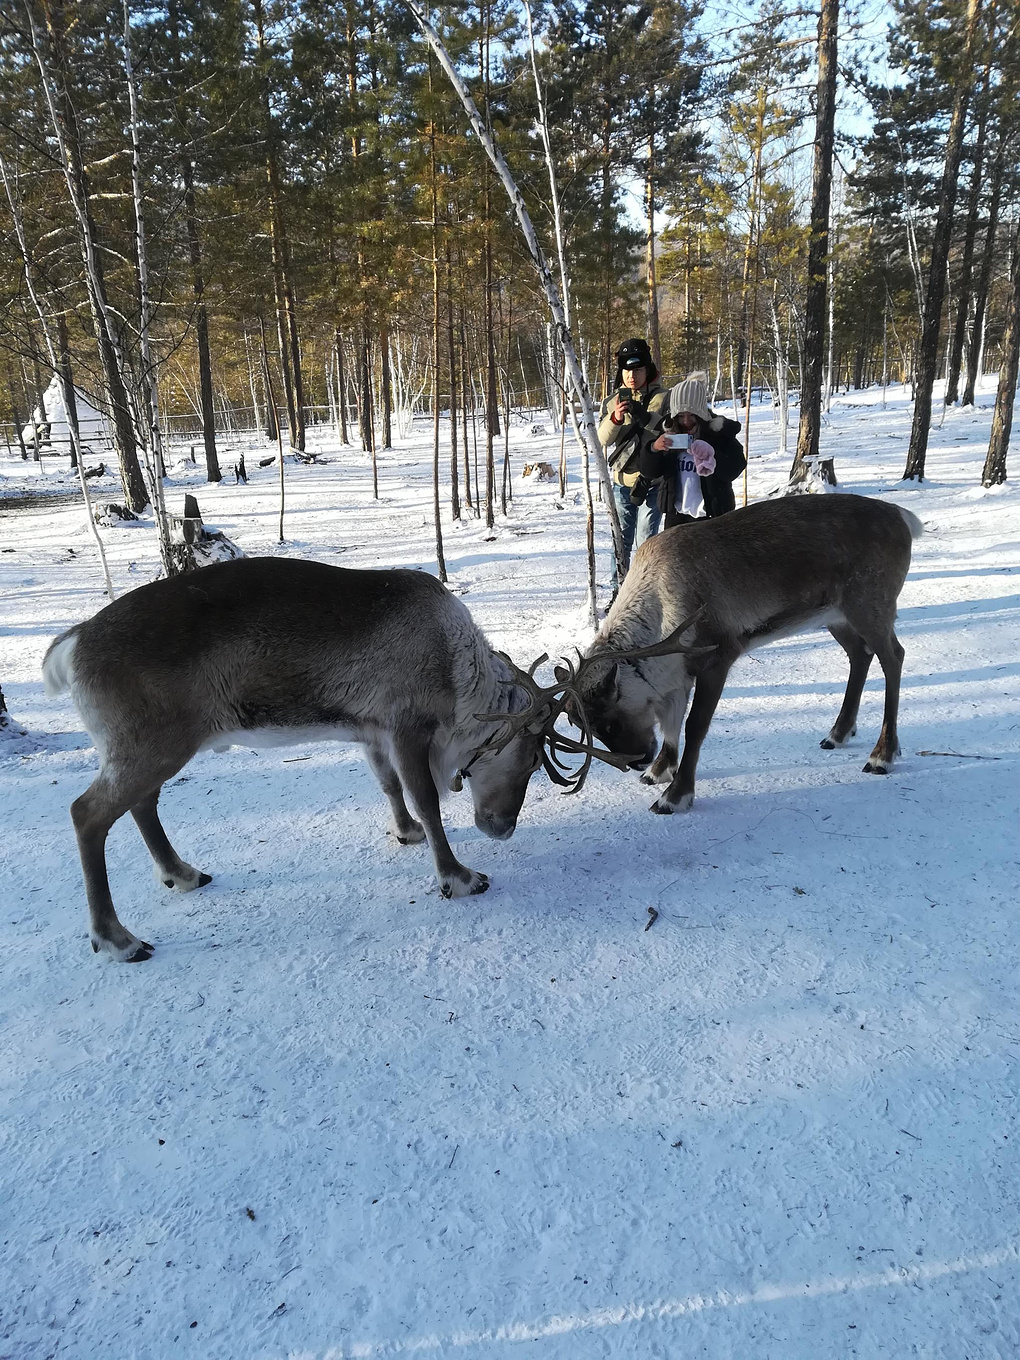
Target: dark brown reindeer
729, 584
272, 651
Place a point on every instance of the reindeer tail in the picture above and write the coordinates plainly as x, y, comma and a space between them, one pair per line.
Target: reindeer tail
58, 664
912, 522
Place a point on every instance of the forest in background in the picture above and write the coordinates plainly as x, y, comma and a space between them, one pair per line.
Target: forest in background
322, 235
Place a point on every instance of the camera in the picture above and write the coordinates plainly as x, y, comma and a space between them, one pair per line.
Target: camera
639, 491
632, 408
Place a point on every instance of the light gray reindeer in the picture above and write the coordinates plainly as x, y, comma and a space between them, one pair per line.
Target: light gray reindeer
729, 584
272, 651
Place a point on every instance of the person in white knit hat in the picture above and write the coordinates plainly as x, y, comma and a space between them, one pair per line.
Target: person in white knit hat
697, 458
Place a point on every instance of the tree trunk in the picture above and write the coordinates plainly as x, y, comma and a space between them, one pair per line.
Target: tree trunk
994, 471
15, 412
341, 383
67, 387
365, 389
212, 464
451, 355
552, 295
386, 382
972, 344
928, 350
806, 460
472, 503
272, 415
149, 374
653, 291
286, 312
436, 512
745, 339
964, 295
65, 124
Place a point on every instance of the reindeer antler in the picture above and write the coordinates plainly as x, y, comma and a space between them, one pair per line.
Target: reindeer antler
557, 697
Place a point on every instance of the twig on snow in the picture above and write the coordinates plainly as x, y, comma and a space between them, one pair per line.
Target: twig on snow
960, 755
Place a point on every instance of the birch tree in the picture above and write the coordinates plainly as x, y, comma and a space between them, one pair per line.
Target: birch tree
63, 116
72, 423
589, 431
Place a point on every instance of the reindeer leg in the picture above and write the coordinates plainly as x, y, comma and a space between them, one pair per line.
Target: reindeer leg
411, 750
171, 870
403, 825
861, 656
887, 748
670, 716
103, 802
708, 688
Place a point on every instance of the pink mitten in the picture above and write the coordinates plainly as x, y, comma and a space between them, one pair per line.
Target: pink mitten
704, 457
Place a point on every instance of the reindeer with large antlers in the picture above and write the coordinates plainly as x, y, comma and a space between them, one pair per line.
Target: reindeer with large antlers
738, 581
272, 651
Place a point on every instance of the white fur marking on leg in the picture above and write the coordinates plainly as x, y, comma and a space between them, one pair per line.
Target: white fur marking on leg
184, 882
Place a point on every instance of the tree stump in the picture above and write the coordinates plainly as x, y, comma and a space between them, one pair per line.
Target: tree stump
193, 545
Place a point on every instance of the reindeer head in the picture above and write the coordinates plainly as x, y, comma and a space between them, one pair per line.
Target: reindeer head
607, 702
588, 693
498, 776
622, 723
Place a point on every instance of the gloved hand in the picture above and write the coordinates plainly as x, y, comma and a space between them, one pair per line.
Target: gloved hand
704, 457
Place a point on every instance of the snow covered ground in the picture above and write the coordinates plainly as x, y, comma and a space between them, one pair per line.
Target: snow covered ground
339, 1116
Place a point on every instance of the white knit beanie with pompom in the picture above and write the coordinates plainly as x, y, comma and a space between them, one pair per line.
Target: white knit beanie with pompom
691, 395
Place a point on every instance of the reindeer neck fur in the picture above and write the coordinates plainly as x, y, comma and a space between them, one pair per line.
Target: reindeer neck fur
638, 618
482, 683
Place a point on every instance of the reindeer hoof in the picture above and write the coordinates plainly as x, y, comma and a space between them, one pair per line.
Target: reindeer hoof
468, 886
662, 808
875, 766
832, 742
409, 835
187, 881
651, 777
131, 951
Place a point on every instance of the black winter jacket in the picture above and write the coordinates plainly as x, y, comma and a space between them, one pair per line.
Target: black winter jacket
717, 488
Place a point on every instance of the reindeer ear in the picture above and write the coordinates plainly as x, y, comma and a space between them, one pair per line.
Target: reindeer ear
562, 674
608, 683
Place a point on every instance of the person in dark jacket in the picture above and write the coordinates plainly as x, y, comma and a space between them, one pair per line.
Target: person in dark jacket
697, 459
630, 418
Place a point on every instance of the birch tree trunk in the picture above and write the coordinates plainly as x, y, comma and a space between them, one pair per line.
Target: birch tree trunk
590, 440
64, 119
561, 255
153, 443
72, 423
